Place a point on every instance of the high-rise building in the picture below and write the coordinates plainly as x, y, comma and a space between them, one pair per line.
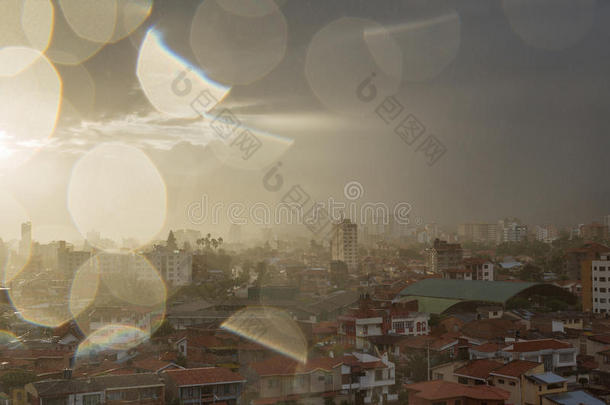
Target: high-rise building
511, 230
478, 232
594, 231
601, 284
443, 256
546, 233
70, 260
344, 244
175, 266
25, 244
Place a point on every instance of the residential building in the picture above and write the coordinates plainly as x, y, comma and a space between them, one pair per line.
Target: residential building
25, 244
511, 230
443, 256
70, 260
370, 379
601, 284
571, 398
574, 259
477, 232
279, 378
206, 385
457, 274
476, 372
344, 244
538, 385
485, 351
551, 322
511, 377
546, 233
594, 231
137, 389
446, 392
482, 269
408, 323
175, 266
556, 355
358, 325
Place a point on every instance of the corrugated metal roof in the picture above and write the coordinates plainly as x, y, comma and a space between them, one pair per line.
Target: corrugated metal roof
548, 378
574, 398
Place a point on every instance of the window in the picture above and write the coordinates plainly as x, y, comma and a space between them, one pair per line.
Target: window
602, 279
512, 383
148, 393
500, 381
602, 300
378, 375
440, 403
602, 290
115, 395
93, 399
463, 380
301, 380
328, 379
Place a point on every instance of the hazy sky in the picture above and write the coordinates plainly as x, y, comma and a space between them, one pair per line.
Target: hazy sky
517, 91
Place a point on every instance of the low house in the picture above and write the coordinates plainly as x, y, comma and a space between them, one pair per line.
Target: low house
556, 355
279, 379
571, 398
371, 378
137, 389
538, 385
445, 392
198, 386
485, 351
476, 372
511, 377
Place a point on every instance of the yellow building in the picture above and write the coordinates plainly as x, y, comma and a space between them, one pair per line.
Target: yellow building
537, 385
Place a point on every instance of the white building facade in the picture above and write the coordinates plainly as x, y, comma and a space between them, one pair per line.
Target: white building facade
600, 275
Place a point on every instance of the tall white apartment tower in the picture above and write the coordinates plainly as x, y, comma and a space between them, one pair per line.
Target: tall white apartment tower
600, 275
344, 244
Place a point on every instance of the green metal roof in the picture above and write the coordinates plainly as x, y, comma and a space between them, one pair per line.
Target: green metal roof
432, 305
465, 290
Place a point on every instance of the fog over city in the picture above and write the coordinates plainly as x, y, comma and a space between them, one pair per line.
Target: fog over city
519, 108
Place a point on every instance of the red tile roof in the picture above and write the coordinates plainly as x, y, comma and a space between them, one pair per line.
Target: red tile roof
536, 345
515, 368
439, 389
150, 364
479, 368
203, 376
487, 348
280, 365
